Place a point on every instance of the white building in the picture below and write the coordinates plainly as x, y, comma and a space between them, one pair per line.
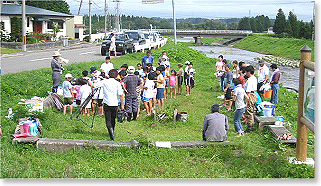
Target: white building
41, 20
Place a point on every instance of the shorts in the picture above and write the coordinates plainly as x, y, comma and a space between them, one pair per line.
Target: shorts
78, 101
100, 102
119, 101
154, 93
228, 94
160, 93
180, 80
67, 101
166, 82
112, 48
147, 99
88, 104
190, 82
172, 86
259, 85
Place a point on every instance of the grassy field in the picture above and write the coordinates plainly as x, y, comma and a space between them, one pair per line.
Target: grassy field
283, 47
8, 50
256, 155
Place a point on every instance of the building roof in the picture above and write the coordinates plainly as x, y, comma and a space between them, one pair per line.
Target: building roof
16, 10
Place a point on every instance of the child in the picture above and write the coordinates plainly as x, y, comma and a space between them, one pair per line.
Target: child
180, 75
167, 74
84, 92
160, 87
228, 87
139, 91
235, 69
67, 90
173, 83
190, 79
239, 95
148, 93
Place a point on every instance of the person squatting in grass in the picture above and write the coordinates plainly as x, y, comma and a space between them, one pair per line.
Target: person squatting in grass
238, 97
215, 125
112, 89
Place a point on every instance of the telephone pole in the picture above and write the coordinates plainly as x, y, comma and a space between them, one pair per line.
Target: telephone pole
90, 20
24, 26
117, 21
175, 39
79, 7
106, 8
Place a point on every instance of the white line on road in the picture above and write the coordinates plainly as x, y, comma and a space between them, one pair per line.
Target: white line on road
41, 59
86, 53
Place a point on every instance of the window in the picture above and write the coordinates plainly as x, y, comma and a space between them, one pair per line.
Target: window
1, 25
28, 19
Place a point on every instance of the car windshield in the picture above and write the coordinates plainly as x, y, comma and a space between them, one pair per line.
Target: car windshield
117, 37
132, 35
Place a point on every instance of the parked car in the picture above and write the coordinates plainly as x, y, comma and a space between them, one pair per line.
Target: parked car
138, 38
123, 44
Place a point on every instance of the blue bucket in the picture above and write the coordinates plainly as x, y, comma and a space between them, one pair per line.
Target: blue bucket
280, 118
270, 106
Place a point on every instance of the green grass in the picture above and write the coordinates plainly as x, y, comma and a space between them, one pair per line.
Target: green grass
8, 50
256, 155
283, 47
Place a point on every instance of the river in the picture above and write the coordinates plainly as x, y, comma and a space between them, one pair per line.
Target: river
289, 75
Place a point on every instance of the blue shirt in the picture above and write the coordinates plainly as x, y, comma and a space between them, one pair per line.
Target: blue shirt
147, 60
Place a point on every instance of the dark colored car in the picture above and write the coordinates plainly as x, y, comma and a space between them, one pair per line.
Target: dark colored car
123, 44
137, 36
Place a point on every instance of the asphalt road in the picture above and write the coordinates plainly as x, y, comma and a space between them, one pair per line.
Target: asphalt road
33, 60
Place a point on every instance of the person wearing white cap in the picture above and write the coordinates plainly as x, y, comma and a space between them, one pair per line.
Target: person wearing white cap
132, 82
56, 66
67, 90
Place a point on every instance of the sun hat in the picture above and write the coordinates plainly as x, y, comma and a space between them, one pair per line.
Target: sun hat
56, 53
187, 62
68, 75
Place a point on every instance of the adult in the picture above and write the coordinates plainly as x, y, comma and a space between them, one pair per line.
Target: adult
164, 60
220, 71
228, 87
56, 66
250, 89
275, 79
263, 76
112, 43
112, 89
215, 125
131, 81
148, 58
106, 66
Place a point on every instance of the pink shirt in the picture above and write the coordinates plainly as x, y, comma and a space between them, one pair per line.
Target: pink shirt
172, 80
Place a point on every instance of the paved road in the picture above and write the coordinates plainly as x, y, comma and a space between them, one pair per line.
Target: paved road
32, 60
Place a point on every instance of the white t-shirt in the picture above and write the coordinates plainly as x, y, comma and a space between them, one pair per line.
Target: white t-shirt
106, 67
149, 93
66, 86
262, 72
84, 91
112, 89
113, 42
239, 92
251, 84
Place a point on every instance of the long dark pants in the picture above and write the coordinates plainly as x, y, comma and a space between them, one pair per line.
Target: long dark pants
110, 117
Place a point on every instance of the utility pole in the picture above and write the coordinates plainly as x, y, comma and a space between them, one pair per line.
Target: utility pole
175, 39
24, 26
313, 21
106, 8
90, 20
79, 7
117, 21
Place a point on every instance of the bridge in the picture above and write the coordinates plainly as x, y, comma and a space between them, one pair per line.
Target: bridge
198, 34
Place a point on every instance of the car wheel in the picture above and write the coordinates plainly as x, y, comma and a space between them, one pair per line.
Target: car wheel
124, 52
103, 52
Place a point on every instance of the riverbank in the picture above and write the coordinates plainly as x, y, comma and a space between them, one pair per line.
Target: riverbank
282, 47
256, 155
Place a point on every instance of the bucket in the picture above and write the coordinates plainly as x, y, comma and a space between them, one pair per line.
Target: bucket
267, 112
279, 118
182, 116
270, 106
268, 94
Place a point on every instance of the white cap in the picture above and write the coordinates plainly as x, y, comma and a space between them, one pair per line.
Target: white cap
56, 53
131, 69
68, 75
187, 62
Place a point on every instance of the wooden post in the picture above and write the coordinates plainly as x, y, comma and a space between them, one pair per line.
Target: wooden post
302, 131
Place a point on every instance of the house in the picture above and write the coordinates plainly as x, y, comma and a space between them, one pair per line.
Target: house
41, 20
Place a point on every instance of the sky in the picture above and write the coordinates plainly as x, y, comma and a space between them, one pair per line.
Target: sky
212, 9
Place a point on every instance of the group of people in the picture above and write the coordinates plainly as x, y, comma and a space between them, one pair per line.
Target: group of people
242, 87
123, 89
